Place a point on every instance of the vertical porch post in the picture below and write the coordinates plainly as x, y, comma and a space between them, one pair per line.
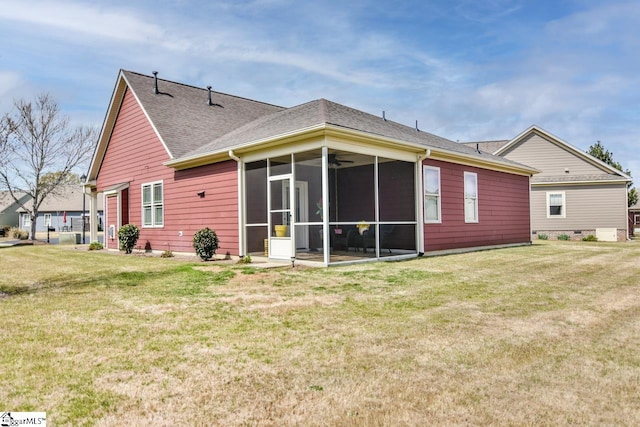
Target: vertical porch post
93, 217
242, 217
420, 202
325, 205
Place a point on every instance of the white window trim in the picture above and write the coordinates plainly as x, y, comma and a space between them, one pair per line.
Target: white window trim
564, 204
153, 205
438, 195
47, 220
477, 198
26, 220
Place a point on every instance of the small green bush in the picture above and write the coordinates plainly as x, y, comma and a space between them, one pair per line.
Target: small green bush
95, 246
245, 259
564, 237
205, 242
17, 233
590, 238
167, 254
128, 236
543, 236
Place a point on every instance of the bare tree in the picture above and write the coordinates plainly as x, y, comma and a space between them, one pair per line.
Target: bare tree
40, 151
5, 130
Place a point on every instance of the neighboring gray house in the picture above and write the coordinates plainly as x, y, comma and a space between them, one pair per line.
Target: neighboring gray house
62, 212
634, 219
9, 208
575, 193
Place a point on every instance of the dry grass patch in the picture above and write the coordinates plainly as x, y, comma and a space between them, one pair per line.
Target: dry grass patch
539, 335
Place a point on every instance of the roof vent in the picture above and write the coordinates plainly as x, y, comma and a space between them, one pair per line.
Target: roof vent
155, 83
384, 117
210, 102
417, 126
478, 148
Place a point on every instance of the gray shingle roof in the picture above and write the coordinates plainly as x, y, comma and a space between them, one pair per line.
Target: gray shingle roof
190, 127
6, 201
68, 198
488, 146
182, 116
322, 111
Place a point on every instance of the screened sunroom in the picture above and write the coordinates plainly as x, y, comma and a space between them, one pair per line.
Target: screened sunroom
330, 206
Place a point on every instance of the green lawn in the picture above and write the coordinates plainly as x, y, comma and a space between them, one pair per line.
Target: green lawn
542, 335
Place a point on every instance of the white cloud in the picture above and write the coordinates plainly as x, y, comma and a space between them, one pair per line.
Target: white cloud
11, 87
487, 11
81, 19
573, 76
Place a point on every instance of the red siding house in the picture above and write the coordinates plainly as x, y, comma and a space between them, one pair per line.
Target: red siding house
318, 182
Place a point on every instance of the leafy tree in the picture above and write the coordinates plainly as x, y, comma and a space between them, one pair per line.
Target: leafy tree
39, 150
62, 179
598, 151
633, 196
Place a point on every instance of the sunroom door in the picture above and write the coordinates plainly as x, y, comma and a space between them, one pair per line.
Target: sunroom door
280, 218
301, 203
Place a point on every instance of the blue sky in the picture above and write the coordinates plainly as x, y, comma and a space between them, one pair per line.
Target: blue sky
465, 69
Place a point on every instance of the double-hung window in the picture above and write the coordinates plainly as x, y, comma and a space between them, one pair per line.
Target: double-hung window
152, 204
556, 204
47, 220
470, 197
432, 209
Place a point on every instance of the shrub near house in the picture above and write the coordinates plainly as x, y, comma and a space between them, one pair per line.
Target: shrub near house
205, 242
128, 236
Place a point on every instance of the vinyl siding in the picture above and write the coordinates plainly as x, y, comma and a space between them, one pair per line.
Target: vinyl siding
551, 159
111, 218
586, 206
503, 210
136, 155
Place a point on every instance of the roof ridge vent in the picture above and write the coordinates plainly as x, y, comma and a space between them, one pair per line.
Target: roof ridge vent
155, 83
210, 102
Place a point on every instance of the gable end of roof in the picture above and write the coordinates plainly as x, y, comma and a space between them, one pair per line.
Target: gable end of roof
534, 129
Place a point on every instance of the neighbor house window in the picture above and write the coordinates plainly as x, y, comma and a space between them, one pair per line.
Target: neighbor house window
432, 203
152, 205
470, 197
26, 221
556, 205
47, 220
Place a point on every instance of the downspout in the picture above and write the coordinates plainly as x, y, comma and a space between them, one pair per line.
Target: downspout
626, 202
234, 157
420, 204
241, 219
